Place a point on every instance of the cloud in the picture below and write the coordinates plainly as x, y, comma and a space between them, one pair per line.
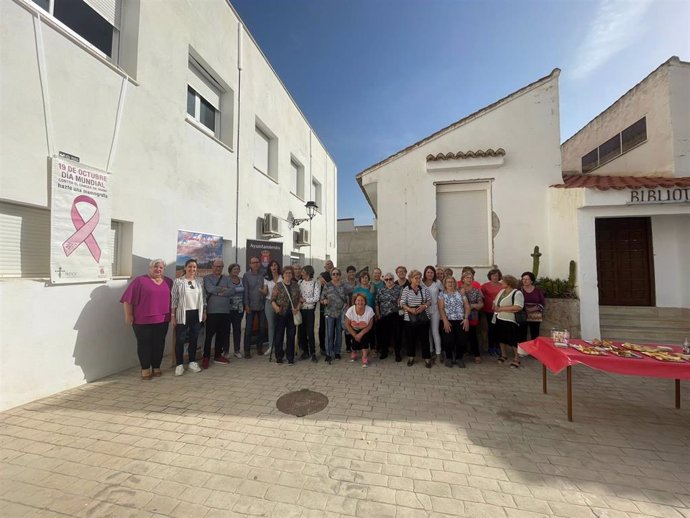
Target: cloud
616, 25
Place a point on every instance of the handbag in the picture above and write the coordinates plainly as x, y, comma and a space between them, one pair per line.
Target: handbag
520, 316
535, 316
419, 318
296, 317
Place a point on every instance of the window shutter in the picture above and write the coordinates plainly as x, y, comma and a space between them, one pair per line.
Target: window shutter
24, 241
203, 84
261, 142
115, 232
108, 9
463, 210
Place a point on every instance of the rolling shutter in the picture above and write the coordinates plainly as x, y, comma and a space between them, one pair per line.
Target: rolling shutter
24, 241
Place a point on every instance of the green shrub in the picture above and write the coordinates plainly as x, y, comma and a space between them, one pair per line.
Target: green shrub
556, 288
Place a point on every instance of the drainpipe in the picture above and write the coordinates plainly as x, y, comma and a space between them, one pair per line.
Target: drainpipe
240, 32
311, 186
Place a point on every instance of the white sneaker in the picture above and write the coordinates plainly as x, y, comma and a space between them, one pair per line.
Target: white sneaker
238, 355
267, 352
226, 355
194, 367
179, 370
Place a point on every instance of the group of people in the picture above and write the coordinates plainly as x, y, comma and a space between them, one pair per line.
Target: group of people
430, 311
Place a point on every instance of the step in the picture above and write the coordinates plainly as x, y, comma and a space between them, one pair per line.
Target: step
645, 311
643, 335
645, 323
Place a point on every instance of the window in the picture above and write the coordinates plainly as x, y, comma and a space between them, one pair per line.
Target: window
590, 160
265, 151
463, 209
97, 21
297, 178
24, 241
615, 146
316, 192
210, 101
203, 97
634, 134
121, 247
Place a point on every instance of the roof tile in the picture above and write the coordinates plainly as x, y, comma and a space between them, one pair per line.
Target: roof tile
604, 183
467, 154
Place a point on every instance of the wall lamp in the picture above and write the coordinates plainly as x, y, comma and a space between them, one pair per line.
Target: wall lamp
312, 208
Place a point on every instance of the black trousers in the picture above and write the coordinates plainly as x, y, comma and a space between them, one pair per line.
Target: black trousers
417, 334
190, 329
387, 335
532, 327
492, 337
322, 330
285, 329
455, 342
150, 343
474, 341
218, 325
306, 332
235, 326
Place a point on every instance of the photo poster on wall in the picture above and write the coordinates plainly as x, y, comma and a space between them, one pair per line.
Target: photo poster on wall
81, 239
197, 245
266, 251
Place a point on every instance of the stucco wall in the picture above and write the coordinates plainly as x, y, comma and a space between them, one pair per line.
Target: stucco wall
166, 173
651, 99
357, 248
680, 117
527, 127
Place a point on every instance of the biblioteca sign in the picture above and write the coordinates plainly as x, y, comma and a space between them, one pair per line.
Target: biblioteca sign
674, 195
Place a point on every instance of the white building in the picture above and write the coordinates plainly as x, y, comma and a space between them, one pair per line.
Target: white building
473, 193
176, 101
625, 207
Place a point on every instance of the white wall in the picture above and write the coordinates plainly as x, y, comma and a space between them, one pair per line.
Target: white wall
166, 173
527, 127
671, 242
662, 97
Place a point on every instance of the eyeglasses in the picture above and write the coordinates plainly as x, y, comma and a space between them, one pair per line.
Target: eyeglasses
191, 286
388, 279
335, 273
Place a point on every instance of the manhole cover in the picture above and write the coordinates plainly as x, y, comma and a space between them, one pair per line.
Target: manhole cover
301, 403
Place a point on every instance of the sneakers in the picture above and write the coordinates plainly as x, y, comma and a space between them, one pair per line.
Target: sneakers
365, 363
220, 359
410, 362
194, 367
226, 355
204, 363
267, 352
238, 355
179, 370
353, 356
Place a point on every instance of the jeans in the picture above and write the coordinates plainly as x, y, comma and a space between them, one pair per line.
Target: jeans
334, 333
217, 324
307, 341
189, 328
271, 319
150, 343
236, 328
249, 326
285, 326
322, 330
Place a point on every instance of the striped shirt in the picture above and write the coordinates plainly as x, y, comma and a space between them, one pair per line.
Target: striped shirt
178, 299
411, 299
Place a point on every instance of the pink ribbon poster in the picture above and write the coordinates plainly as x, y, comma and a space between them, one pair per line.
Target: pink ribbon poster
80, 232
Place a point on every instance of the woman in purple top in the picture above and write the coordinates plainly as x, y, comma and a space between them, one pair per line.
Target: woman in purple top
146, 302
534, 306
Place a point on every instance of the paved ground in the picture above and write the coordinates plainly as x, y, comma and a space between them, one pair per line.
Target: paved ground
393, 442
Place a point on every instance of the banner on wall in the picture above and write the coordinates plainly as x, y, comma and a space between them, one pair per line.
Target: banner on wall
80, 228
197, 245
266, 251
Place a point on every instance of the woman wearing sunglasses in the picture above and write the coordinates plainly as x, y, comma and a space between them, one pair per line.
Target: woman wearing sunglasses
334, 298
188, 303
387, 307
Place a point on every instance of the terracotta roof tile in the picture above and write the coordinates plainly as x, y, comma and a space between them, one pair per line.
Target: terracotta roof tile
604, 183
467, 154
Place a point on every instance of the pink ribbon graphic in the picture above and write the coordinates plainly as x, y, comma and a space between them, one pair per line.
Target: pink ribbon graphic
84, 233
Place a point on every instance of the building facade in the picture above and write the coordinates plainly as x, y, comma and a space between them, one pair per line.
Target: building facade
357, 245
473, 193
625, 205
176, 103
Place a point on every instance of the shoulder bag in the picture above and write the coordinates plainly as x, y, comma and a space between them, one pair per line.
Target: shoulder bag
296, 317
520, 316
419, 318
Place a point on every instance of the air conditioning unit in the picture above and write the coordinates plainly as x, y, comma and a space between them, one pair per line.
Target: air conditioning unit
303, 237
271, 225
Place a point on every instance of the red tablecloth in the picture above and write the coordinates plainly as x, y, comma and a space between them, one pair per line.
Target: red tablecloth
556, 359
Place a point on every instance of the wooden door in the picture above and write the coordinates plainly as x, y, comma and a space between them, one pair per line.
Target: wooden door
625, 267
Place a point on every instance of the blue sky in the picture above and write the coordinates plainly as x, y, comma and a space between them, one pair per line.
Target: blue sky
374, 76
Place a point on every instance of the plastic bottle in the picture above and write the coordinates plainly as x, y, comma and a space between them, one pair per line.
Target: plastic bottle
686, 346
566, 337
